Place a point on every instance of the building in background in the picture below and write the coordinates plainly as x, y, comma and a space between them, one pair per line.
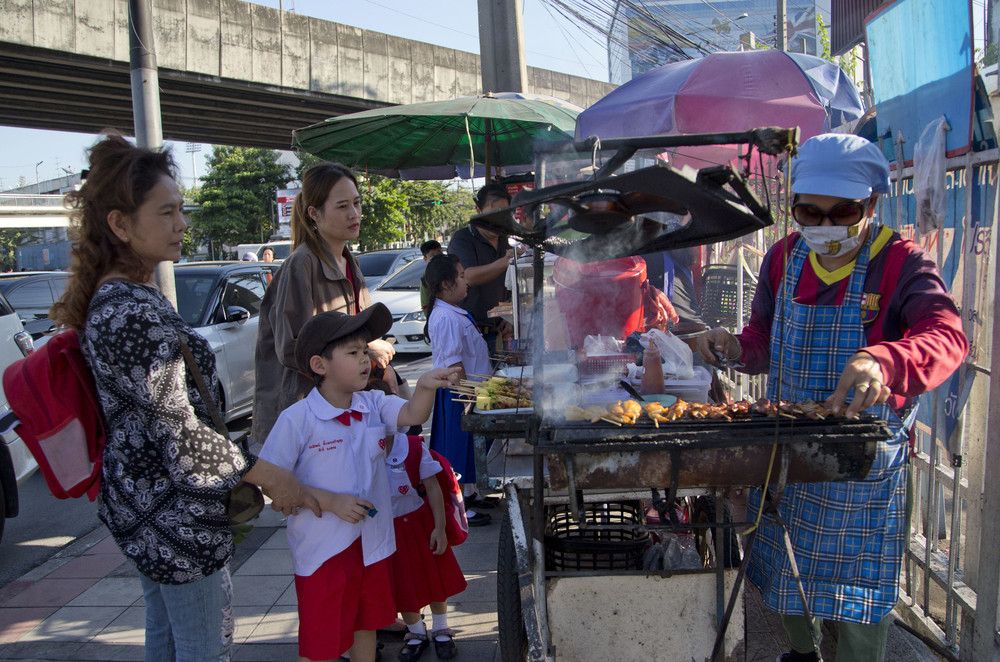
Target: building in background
645, 34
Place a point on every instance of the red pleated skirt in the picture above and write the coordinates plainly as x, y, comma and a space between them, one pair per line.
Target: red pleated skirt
420, 577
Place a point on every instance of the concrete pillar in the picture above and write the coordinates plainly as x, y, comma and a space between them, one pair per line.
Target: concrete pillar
501, 46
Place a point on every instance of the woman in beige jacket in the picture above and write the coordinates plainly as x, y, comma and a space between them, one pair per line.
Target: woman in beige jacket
319, 275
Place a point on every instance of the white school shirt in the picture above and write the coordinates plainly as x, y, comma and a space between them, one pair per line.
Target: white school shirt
347, 459
455, 337
405, 499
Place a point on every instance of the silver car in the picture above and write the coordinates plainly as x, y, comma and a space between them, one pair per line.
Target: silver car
16, 463
400, 293
222, 301
376, 266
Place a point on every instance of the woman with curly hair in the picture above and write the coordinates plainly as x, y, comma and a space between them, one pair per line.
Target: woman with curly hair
166, 472
320, 274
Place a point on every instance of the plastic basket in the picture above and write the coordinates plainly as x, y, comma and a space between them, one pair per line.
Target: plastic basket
605, 364
568, 547
718, 295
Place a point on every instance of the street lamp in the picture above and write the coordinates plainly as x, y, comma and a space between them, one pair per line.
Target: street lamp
36, 174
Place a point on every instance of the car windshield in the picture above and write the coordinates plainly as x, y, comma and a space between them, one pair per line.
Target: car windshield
376, 264
407, 278
193, 295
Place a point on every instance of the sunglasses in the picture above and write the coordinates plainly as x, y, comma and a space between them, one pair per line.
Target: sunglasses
845, 213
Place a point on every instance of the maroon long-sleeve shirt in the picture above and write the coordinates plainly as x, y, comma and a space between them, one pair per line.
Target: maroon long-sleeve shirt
912, 325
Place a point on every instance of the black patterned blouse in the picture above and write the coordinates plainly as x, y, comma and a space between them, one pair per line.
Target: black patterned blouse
166, 470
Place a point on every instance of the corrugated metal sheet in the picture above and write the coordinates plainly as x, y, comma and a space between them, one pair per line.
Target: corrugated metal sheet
847, 22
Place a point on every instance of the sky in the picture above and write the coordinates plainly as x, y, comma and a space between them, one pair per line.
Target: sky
551, 42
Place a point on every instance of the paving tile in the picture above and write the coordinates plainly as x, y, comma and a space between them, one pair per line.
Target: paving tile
42, 651
481, 588
102, 652
288, 597
109, 592
44, 569
106, 545
279, 626
267, 562
16, 622
73, 624
278, 540
89, 565
50, 592
269, 653
128, 628
259, 589
247, 619
476, 556
13, 588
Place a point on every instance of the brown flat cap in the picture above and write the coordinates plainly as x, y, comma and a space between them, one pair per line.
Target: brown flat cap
331, 325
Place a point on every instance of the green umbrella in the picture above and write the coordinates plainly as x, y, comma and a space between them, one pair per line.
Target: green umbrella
492, 130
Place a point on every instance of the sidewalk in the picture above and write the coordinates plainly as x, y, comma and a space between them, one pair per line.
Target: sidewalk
85, 604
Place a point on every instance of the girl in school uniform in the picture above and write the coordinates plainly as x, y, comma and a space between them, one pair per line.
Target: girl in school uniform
456, 342
424, 568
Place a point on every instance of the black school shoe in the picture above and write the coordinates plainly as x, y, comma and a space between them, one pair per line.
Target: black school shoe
410, 652
446, 649
476, 502
480, 519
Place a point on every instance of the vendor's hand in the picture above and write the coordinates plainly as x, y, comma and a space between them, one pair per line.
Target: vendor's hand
509, 255
863, 374
381, 352
439, 378
347, 507
439, 541
505, 329
717, 341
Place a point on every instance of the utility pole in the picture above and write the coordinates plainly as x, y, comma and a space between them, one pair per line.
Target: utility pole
146, 104
501, 46
781, 26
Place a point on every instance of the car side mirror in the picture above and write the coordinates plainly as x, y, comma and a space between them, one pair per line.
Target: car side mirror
236, 314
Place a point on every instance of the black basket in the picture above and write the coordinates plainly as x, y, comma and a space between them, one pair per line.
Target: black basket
718, 295
568, 547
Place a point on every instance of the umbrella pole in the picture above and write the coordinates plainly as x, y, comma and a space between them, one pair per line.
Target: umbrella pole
489, 130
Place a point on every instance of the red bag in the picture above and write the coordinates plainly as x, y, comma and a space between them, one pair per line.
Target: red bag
456, 524
53, 395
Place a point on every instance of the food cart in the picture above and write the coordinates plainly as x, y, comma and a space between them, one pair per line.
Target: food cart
571, 583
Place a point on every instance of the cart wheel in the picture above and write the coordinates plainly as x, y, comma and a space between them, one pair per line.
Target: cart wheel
513, 639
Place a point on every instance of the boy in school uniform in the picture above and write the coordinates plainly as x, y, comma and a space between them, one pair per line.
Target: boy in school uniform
335, 440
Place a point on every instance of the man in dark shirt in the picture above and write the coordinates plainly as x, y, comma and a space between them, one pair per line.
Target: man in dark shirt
485, 257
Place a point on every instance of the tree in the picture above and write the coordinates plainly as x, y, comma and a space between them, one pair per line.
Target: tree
9, 241
237, 195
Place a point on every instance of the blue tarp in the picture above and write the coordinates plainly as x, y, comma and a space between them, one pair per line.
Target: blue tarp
920, 57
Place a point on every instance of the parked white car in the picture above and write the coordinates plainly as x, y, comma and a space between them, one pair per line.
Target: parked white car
400, 293
222, 301
16, 463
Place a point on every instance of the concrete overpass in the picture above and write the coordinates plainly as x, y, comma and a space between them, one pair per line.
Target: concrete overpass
230, 72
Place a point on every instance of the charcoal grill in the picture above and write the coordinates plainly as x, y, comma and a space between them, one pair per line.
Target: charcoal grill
575, 463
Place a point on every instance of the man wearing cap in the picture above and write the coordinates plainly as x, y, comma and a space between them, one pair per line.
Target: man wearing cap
847, 312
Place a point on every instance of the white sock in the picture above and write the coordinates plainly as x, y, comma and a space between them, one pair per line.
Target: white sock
439, 622
469, 514
416, 628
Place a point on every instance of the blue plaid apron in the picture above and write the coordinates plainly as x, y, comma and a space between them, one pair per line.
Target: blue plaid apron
848, 536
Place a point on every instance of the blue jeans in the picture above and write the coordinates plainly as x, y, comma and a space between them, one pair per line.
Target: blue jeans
189, 622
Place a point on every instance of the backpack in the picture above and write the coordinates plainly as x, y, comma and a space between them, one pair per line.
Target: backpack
52, 393
456, 524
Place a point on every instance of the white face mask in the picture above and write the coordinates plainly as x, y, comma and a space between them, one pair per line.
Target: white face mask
832, 240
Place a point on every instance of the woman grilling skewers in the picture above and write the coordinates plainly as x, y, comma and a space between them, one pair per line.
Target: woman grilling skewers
846, 311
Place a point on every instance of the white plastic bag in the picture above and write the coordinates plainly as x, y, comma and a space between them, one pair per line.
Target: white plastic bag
929, 175
676, 355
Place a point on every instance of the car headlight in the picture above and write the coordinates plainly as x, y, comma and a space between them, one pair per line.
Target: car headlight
414, 317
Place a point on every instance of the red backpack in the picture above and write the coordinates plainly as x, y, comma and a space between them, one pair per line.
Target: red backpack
52, 393
456, 524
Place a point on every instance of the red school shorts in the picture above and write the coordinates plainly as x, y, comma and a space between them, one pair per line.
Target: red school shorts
341, 597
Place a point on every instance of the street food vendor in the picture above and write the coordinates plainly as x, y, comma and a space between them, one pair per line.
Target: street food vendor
849, 312
485, 257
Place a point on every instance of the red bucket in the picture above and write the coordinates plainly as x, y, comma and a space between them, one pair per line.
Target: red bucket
600, 297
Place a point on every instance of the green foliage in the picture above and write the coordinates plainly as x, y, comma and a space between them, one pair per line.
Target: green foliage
848, 61
9, 241
237, 195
